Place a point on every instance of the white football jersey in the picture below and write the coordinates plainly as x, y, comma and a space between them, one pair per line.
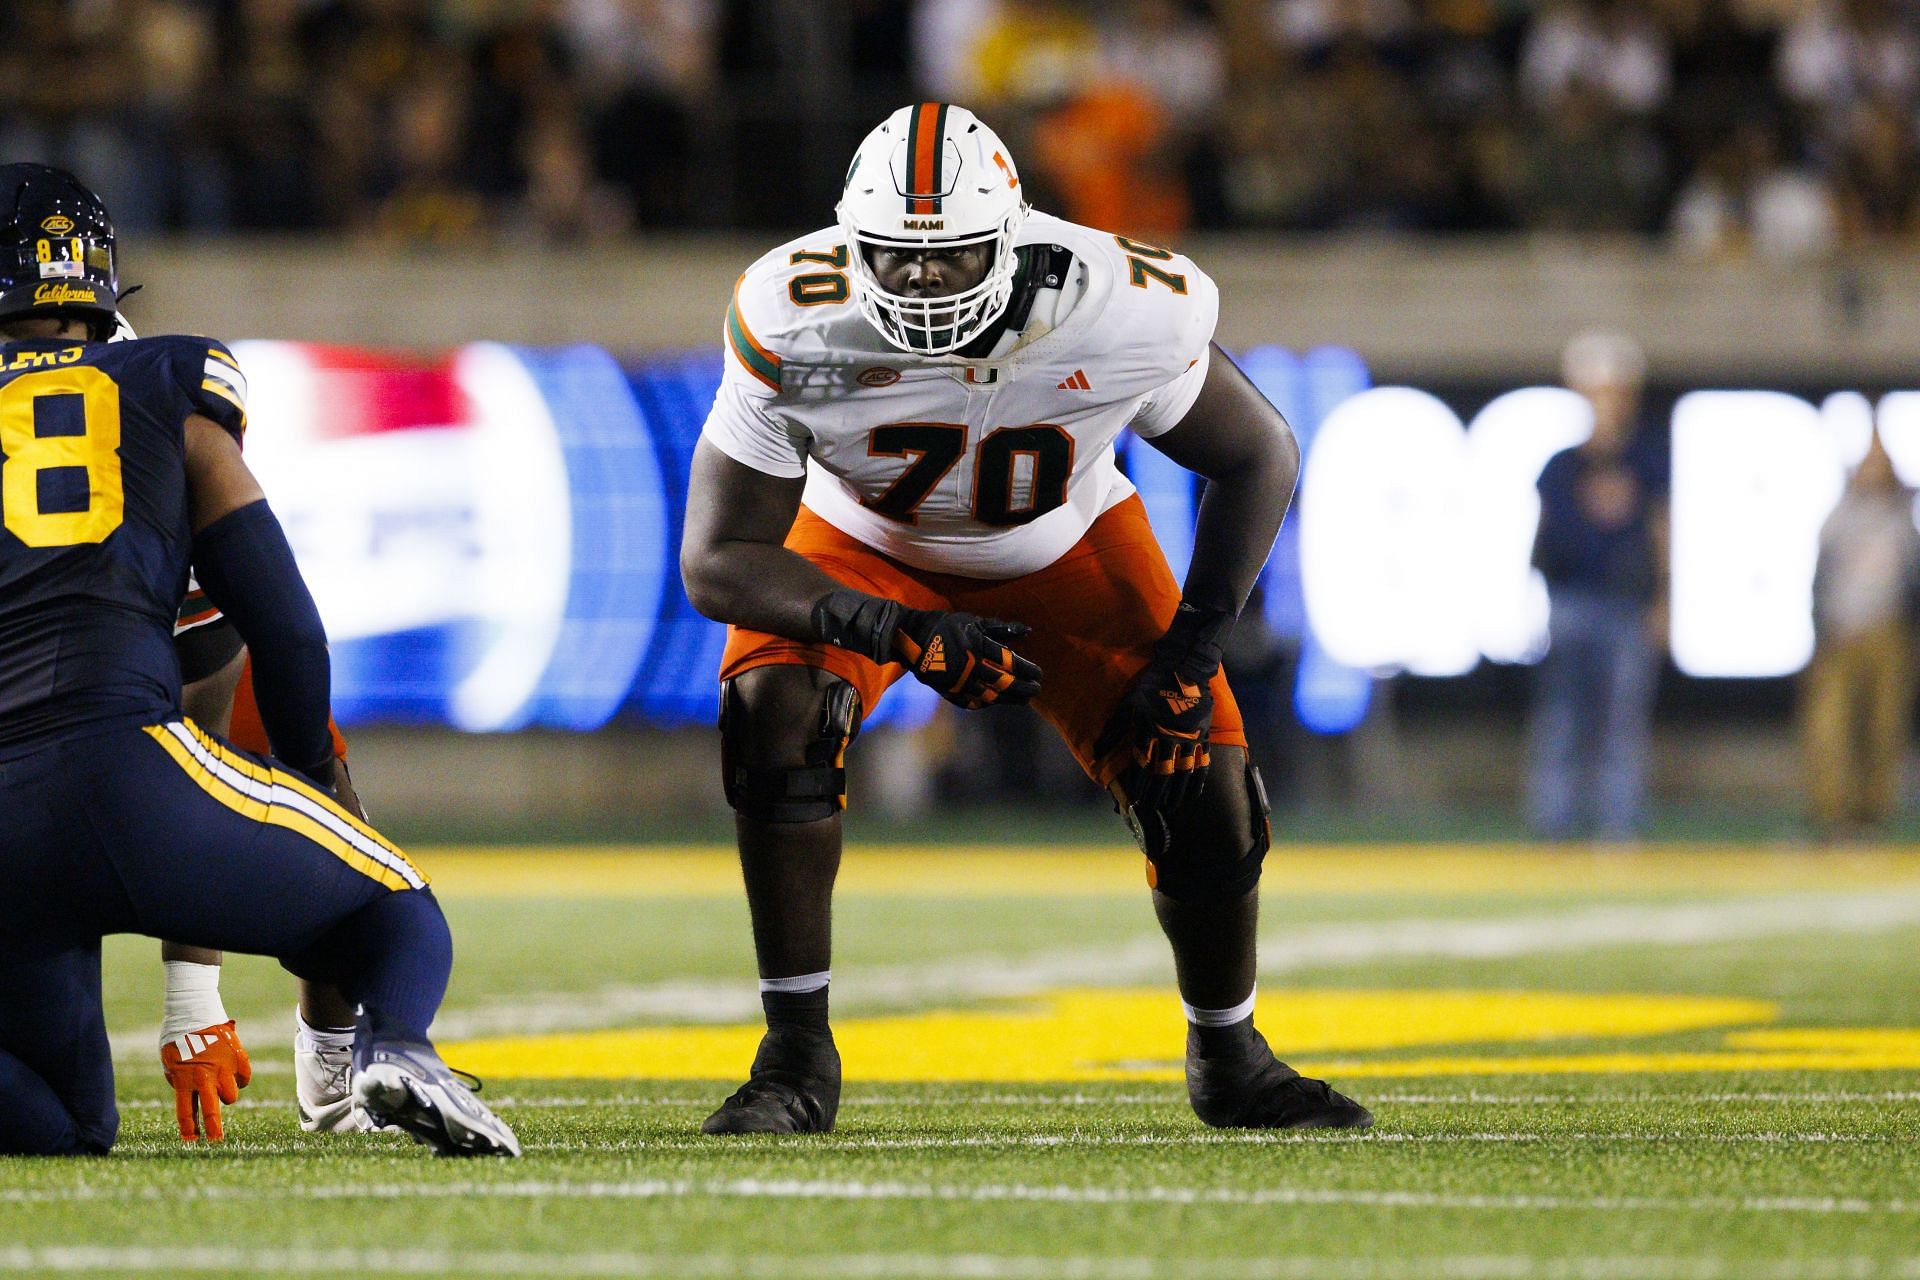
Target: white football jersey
991, 467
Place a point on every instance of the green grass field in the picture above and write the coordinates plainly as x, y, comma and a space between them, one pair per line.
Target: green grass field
1676, 1063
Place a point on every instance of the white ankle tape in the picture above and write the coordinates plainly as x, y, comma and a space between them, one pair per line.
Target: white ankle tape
799, 985
1221, 1017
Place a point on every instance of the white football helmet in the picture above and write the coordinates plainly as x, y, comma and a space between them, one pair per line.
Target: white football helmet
932, 175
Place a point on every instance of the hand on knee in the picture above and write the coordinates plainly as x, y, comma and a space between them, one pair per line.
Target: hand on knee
1212, 850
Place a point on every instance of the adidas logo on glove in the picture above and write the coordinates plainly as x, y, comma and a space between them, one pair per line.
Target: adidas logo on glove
1184, 699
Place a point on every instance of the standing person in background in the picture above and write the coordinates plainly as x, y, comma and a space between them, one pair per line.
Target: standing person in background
1602, 547
1857, 695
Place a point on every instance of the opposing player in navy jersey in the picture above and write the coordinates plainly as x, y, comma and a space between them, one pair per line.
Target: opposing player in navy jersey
201, 1055
121, 468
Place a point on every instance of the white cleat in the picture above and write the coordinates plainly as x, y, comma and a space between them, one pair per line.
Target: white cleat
323, 1086
407, 1086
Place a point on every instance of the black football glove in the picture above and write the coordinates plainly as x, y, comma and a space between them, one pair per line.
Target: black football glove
1166, 716
965, 659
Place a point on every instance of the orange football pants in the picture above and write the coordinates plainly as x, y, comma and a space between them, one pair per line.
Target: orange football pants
247, 733
1095, 612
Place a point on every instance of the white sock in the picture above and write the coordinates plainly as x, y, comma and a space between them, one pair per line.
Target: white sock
309, 1039
192, 998
1221, 1017
799, 985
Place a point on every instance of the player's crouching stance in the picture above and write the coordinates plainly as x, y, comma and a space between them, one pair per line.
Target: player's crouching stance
913, 441
200, 1050
117, 814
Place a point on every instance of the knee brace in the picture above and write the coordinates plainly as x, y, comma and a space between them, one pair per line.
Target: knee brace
814, 789
1192, 859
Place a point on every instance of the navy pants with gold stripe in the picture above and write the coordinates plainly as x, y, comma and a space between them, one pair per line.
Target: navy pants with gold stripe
167, 831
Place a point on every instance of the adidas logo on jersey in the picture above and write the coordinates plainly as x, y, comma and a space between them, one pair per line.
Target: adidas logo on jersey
935, 658
1078, 382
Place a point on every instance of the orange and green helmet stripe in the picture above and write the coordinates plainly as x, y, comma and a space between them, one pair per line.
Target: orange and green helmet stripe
759, 361
926, 130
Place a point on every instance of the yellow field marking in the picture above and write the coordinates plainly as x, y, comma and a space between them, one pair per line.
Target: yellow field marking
1109, 1035
666, 871
1766, 1049
1865, 1042
1613, 1064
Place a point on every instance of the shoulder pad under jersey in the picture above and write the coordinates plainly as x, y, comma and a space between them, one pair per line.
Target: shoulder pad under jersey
785, 304
210, 377
1158, 309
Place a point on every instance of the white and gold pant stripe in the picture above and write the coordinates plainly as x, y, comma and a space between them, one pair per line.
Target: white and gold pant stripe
282, 799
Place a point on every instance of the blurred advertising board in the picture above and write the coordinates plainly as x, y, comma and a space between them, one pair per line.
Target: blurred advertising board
493, 534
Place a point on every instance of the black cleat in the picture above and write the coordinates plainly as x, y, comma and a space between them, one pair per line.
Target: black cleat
794, 1087
1235, 1082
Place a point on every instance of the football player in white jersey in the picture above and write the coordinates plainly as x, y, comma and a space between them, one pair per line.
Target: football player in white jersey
909, 469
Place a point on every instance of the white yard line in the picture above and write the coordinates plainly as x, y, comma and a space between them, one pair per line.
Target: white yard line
1041, 1141
1099, 1141
1170, 1097
1258, 1139
997, 975
143, 1043
971, 1193
924, 1265
1231, 1138
1145, 959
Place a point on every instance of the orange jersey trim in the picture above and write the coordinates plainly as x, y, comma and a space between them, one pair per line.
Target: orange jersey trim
759, 361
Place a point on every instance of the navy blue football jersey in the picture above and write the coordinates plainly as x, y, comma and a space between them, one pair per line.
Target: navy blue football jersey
94, 532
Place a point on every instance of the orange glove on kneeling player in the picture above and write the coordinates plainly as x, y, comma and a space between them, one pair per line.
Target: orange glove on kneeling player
206, 1068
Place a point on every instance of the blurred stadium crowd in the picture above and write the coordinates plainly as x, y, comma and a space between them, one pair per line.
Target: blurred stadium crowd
1781, 127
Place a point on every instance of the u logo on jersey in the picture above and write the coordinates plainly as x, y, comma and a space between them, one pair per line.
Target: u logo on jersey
982, 377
